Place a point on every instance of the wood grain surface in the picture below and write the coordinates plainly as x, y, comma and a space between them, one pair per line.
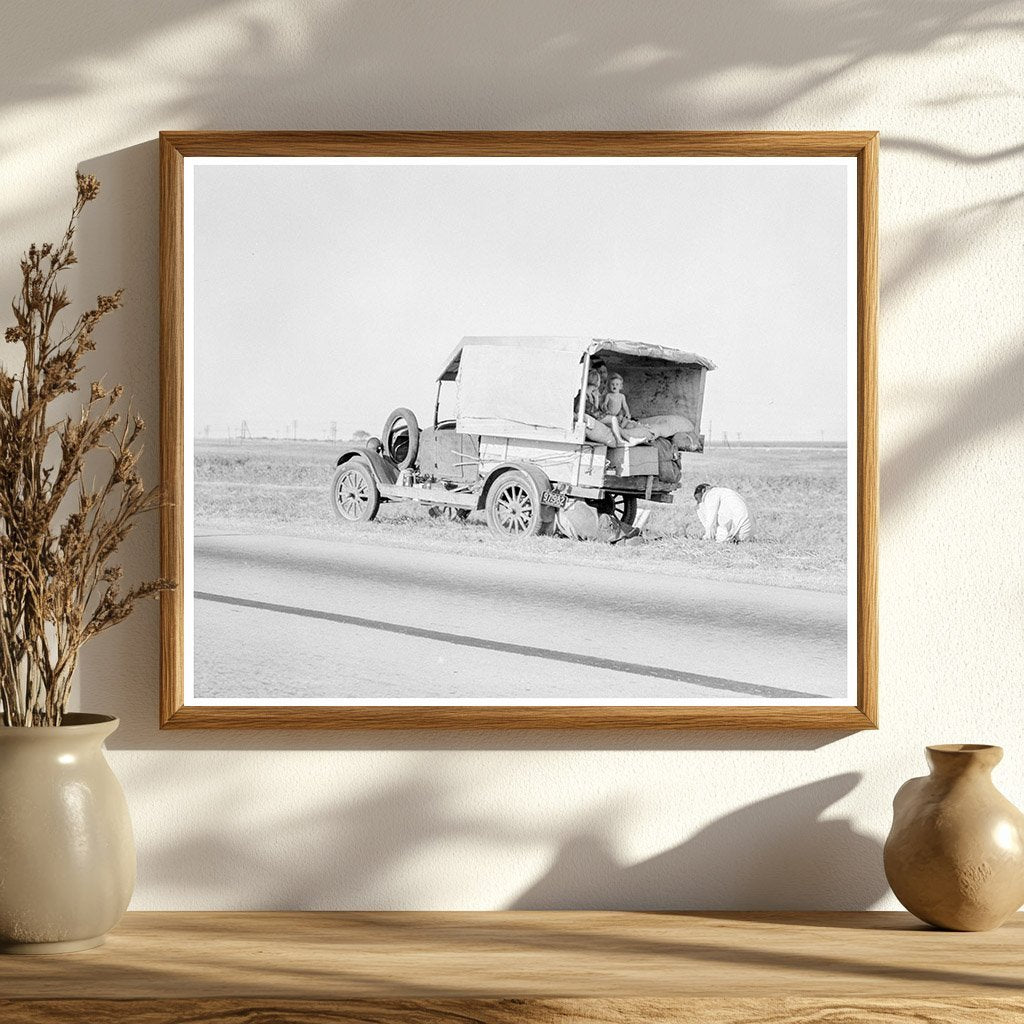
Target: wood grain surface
665, 718
524, 966
172, 448
301, 143
515, 1011
176, 146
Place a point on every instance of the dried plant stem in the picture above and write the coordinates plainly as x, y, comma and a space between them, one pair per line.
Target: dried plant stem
58, 586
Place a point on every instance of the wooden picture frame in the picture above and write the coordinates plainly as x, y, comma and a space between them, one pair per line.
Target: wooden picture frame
176, 148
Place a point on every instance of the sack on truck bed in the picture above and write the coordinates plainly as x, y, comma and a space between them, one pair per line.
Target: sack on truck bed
668, 468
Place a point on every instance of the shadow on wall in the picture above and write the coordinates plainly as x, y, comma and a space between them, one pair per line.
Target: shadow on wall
775, 854
394, 845
380, 63
939, 243
308, 60
400, 845
968, 415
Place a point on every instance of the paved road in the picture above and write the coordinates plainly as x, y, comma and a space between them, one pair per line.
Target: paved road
291, 617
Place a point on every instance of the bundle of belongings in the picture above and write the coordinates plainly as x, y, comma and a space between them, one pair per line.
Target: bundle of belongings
667, 435
668, 468
671, 434
678, 428
580, 521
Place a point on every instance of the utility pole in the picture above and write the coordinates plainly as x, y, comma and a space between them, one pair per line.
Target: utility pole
334, 430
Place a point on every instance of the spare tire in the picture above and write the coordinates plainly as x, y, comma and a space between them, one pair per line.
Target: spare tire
401, 438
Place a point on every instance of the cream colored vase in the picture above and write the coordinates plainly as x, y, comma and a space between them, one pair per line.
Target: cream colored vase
955, 855
67, 856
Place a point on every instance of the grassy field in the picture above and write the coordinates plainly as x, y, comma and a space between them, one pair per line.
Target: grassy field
797, 497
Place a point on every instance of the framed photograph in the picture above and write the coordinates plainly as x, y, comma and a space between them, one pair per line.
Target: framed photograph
519, 430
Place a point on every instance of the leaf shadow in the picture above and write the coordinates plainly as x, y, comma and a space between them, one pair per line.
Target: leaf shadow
960, 418
779, 853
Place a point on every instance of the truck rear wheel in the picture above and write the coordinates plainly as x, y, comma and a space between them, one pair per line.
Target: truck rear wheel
621, 506
514, 508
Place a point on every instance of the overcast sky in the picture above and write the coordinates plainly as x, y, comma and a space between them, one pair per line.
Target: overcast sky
334, 292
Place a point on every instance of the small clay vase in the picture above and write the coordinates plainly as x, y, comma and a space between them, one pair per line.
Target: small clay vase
955, 854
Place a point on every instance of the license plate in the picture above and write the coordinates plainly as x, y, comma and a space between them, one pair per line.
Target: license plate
555, 499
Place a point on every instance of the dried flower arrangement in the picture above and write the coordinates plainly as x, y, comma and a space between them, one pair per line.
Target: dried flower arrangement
58, 588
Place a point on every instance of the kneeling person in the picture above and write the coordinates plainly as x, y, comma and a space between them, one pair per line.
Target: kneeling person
723, 514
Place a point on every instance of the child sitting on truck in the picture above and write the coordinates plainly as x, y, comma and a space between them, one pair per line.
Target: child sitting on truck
595, 418
616, 409
615, 404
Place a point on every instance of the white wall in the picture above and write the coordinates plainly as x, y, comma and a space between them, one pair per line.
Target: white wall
569, 819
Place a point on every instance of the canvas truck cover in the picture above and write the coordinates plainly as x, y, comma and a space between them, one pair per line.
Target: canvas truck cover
527, 386
518, 391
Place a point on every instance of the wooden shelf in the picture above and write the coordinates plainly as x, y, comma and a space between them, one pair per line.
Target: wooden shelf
500, 968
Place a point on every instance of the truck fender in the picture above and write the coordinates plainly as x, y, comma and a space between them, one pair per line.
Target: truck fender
383, 468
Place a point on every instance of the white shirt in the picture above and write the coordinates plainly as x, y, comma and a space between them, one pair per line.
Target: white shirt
724, 515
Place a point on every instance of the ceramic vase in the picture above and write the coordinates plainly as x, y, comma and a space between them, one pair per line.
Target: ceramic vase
955, 855
67, 855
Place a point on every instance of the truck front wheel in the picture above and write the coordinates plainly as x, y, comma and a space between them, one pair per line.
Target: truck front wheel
354, 494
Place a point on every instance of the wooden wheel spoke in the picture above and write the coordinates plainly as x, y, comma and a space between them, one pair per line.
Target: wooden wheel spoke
353, 494
513, 506
514, 509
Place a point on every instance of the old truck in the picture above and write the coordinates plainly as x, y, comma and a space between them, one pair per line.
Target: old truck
517, 448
